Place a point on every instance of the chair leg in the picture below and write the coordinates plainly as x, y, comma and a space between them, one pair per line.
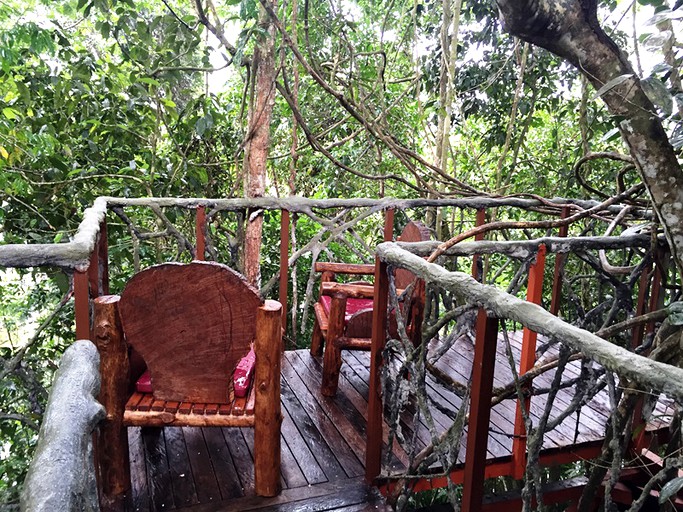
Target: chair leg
331, 368
333, 360
317, 340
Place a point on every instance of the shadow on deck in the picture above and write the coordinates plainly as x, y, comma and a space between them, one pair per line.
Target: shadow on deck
323, 441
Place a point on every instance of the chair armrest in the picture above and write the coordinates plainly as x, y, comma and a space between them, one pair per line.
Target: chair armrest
355, 291
345, 268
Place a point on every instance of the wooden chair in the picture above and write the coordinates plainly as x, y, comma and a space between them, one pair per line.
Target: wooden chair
343, 313
191, 323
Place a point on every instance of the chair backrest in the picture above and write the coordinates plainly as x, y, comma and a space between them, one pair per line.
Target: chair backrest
191, 323
414, 231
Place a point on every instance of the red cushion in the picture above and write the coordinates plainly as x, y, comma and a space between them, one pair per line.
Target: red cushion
144, 383
244, 372
352, 305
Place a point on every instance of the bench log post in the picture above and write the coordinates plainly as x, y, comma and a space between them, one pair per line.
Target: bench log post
268, 415
112, 440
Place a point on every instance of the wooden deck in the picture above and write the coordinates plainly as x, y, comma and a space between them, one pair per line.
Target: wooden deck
323, 441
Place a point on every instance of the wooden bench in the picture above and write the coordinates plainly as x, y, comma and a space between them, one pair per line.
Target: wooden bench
191, 324
343, 313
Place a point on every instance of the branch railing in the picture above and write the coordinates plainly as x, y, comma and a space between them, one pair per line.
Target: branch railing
210, 228
402, 374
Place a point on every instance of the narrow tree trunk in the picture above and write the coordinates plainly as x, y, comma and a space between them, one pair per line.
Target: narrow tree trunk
258, 139
570, 29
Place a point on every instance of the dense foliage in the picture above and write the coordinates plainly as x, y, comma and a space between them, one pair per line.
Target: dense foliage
139, 97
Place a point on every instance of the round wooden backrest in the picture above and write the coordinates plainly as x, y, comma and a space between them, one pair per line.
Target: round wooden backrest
413, 232
191, 323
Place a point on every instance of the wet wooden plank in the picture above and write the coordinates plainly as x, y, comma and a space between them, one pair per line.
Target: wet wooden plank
138, 473
296, 442
241, 457
226, 474
159, 477
202, 469
292, 474
348, 420
184, 492
341, 449
351, 494
311, 435
347, 392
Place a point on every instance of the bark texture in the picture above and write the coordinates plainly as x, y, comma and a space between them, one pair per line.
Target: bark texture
570, 29
646, 372
258, 140
62, 473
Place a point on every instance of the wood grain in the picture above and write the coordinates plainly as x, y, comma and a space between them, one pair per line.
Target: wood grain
191, 323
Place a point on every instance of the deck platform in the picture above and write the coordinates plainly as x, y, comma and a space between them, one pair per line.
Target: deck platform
323, 441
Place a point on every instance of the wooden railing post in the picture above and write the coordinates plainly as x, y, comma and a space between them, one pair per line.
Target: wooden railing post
82, 304
284, 265
200, 231
556, 294
112, 440
642, 307
389, 225
332, 357
477, 267
373, 448
268, 415
528, 358
480, 411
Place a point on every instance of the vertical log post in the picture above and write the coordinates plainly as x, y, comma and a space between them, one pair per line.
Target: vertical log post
94, 270
477, 268
103, 259
332, 359
284, 265
82, 305
640, 440
373, 448
318, 339
389, 225
112, 439
200, 230
556, 294
268, 415
480, 411
534, 294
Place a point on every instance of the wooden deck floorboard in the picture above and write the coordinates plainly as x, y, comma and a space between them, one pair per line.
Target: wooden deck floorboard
323, 440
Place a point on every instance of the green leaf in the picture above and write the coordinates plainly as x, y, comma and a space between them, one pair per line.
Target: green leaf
658, 94
612, 84
11, 113
671, 489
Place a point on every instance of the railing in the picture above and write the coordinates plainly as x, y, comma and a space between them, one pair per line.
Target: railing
198, 228
401, 373
62, 474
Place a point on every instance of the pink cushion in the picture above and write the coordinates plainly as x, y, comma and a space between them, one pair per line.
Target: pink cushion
144, 383
352, 305
244, 373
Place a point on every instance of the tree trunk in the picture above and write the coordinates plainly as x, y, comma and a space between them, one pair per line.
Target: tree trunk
569, 28
258, 139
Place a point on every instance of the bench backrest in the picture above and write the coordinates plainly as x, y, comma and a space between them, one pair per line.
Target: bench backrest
191, 323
